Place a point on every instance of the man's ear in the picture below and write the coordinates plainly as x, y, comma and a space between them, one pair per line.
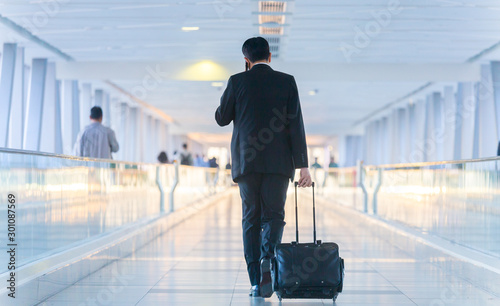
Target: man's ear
248, 61
270, 55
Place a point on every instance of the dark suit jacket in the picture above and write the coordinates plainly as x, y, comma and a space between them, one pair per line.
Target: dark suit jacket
268, 131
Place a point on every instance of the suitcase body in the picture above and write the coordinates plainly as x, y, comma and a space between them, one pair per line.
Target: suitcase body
307, 270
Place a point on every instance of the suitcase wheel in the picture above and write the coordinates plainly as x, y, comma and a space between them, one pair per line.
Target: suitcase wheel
279, 296
335, 297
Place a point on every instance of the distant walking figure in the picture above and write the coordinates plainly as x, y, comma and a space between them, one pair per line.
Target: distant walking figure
163, 158
96, 140
186, 157
268, 144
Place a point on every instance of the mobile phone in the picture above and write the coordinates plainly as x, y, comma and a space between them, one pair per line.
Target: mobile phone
246, 66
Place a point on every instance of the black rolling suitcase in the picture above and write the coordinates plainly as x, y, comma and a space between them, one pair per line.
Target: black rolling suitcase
307, 270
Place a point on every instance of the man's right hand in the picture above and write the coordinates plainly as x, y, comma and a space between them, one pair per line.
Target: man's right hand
305, 178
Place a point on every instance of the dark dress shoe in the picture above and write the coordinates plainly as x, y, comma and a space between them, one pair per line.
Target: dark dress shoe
266, 282
254, 291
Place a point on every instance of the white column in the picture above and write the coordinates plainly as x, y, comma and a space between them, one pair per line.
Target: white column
495, 77
393, 150
49, 111
157, 137
17, 110
342, 151
428, 145
411, 130
27, 78
402, 135
475, 132
70, 114
34, 111
133, 134
77, 113
147, 136
58, 122
6, 89
162, 138
449, 116
349, 152
438, 126
487, 140
385, 159
140, 141
418, 153
124, 133
378, 139
466, 113
457, 140
357, 150
371, 150
98, 97
85, 104
168, 142
106, 108
368, 144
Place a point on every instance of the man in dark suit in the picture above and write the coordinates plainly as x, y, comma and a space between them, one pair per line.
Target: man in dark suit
268, 144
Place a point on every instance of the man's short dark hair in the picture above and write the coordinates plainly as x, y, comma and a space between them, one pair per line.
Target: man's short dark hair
96, 113
256, 49
184, 145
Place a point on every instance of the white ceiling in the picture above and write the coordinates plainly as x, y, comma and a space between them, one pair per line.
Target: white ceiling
136, 31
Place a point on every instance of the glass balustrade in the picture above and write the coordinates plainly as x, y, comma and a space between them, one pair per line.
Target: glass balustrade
456, 201
63, 201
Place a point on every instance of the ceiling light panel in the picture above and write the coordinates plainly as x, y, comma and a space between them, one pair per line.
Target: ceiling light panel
273, 40
271, 31
272, 6
274, 48
278, 19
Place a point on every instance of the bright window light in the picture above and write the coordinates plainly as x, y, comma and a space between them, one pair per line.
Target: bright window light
189, 29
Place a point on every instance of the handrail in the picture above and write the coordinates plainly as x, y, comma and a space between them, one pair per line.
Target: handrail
91, 159
420, 164
71, 157
337, 169
437, 163
369, 167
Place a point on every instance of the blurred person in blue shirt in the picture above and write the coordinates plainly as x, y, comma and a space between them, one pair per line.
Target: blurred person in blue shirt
96, 140
333, 164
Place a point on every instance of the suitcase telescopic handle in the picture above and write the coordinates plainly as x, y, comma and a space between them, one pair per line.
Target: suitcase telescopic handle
297, 215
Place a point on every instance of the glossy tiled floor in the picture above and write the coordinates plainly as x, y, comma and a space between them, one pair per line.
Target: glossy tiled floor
200, 262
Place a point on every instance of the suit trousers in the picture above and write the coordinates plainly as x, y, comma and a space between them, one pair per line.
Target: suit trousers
263, 196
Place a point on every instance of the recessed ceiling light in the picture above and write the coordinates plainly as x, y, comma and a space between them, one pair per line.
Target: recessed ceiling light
217, 84
272, 6
279, 19
189, 29
313, 92
270, 31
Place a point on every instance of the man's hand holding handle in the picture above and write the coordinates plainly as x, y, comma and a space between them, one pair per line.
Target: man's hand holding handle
305, 179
